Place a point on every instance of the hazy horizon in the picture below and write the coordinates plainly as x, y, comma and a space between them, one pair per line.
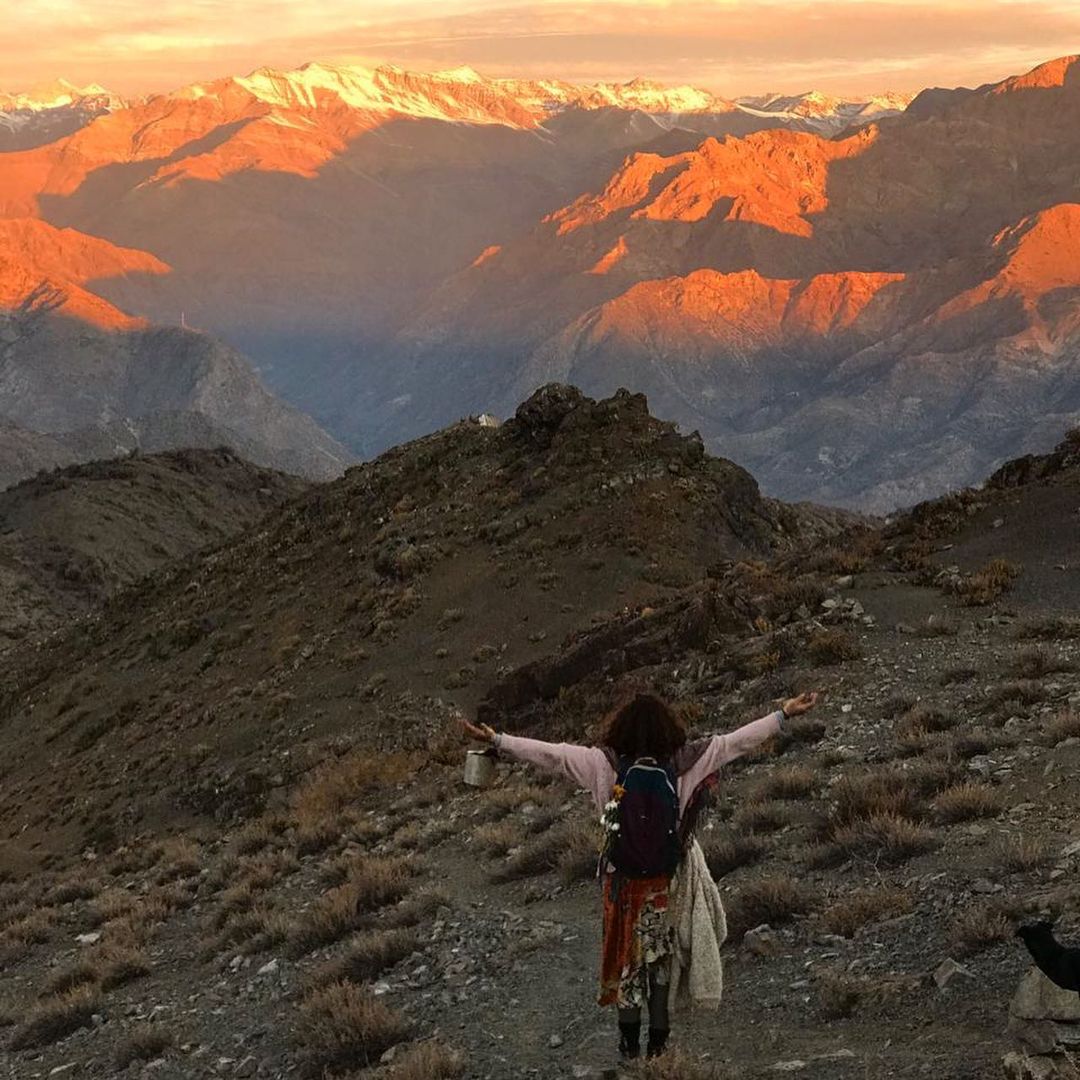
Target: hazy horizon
731, 47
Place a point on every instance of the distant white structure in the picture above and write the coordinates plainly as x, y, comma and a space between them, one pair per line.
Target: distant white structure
485, 419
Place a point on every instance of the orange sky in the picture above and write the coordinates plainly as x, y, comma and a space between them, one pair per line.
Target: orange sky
729, 46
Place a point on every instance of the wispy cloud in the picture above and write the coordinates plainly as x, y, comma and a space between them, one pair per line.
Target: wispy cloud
733, 46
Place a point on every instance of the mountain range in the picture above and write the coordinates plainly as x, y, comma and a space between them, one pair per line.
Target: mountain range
866, 302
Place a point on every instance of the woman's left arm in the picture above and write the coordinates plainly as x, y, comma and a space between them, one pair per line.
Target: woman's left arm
725, 748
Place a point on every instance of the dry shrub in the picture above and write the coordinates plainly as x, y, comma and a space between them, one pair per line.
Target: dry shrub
774, 899
839, 994
143, 1043
344, 1026
346, 781
965, 801
55, 1018
1049, 628
763, 817
1014, 695
427, 1061
1036, 663
885, 792
411, 911
32, 929
540, 854
924, 719
938, 626
1066, 725
580, 855
75, 888
371, 884
958, 673
986, 584
979, 927
81, 973
791, 782
864, 906
725, 852
879, 838
252, 931
368, 955
896, 704
1019, 853
500, 801
110, 905
498, 837
254, 837
180, 858
832, 647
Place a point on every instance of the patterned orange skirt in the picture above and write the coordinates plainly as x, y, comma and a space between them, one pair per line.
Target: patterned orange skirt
637, 935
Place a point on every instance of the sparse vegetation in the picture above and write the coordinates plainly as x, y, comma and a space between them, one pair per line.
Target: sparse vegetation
986, 584
792, 782
53, 1018
143, 1043
343, 1026
1037, 663
1065, 725
848, 915
1017, 854
774, 899
430, 1060
764, 817
979, 927
832, 647
727, 851
965, 801
368, 955
885, 838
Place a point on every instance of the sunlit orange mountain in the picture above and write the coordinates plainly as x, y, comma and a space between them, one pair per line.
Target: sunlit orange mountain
862, 304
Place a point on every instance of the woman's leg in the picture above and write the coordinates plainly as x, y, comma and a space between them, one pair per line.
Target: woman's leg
630, 1033
659, 1018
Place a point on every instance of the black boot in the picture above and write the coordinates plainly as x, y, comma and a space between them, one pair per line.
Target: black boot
630, 1040
657, 1042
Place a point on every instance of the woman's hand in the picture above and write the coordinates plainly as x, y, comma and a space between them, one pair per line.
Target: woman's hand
796, 706
476, 731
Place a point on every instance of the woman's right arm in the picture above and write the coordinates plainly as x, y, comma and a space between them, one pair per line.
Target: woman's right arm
587, 766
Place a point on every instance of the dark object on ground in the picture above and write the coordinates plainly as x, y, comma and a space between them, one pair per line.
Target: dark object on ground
1059, 963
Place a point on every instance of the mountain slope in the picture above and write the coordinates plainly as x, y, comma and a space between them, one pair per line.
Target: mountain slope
71, 538
367, 603
935, 252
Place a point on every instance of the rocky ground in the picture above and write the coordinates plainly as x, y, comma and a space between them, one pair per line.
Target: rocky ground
372, 916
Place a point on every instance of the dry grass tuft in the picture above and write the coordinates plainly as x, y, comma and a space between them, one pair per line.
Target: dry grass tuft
881, 793
498, 837
965, 801
579, 857
725, 852
1066, 725
880, 838
979, 928
986, 584
55, 1018
1019, 853
775, 900
1036, 663
832, 647
372, 884
1049, 628
791, 782
143, 1044
368, 955
427, 1061
343, 1026
847, 916
766, 817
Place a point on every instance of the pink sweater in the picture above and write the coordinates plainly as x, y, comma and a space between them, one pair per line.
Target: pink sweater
588, 766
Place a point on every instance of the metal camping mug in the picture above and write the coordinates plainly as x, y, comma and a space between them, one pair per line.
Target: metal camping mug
479, 767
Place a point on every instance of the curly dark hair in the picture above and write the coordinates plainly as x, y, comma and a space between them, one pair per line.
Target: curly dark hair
644, 726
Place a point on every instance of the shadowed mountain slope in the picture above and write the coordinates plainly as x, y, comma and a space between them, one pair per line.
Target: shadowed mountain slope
71, 538
363, 604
